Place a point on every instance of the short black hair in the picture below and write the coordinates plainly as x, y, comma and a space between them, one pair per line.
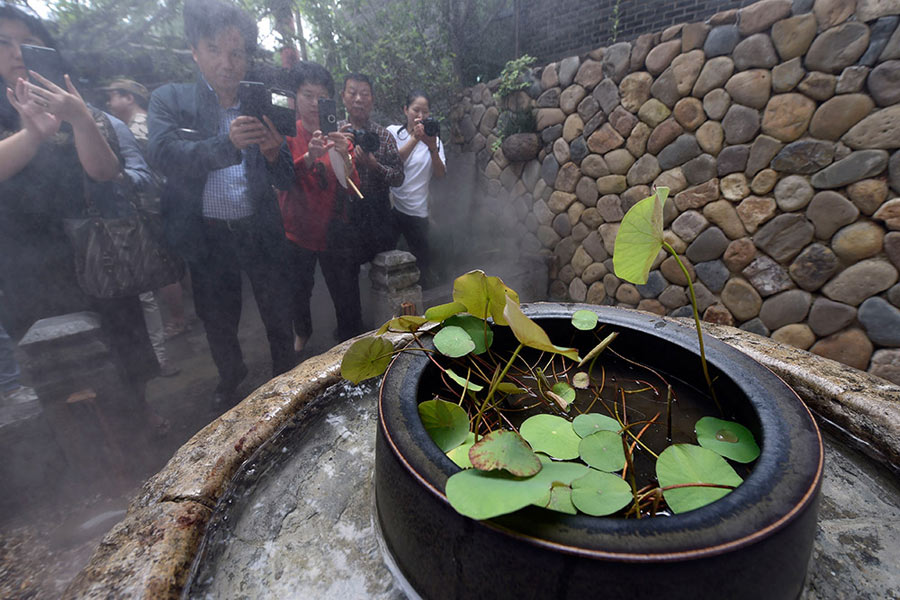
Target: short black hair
32, 22
204, 19
140, 101
413, 95
310, 72
359, 77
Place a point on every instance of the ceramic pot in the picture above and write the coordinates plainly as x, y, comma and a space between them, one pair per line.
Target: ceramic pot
753, 543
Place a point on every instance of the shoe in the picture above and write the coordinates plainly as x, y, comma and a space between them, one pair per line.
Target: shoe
20, 395
167, 369
224, 394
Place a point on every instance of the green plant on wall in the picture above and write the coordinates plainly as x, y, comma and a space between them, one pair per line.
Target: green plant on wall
512, 80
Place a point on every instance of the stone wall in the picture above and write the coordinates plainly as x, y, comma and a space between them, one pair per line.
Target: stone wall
776, 126
552, 30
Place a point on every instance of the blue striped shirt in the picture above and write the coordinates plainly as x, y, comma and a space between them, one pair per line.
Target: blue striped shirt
226, 195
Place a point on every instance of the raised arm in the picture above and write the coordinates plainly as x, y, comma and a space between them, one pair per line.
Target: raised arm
17, 150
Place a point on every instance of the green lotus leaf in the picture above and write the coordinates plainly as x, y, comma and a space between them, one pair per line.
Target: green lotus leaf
640, 238
559, 498
584, 320
446, 422
453, 342
603, 451
402, 323
564, 391
530, 333
471, 386
444, 311
551, 434
599, 494
504, 449
478, 330
365, 358
483, 296
488, 494
581, 380
727, 438
687, 464
460, 454
585, 425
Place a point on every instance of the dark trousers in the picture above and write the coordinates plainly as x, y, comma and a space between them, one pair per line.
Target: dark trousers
341, 271
415, 231
217, 297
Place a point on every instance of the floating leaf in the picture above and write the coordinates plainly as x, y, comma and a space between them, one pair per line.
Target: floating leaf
488, 494
453, 342
581, 380
460, 454
478, 329
584, 320
559, 499
504, 449
685, 464
444, 311
530, 333
640, 238
585, 425
471, 386
367, 357
551, 434
599, 347
447, 423
603, 450
727, 438
600, 494
483, 296
510, 388
402, 323
564, 391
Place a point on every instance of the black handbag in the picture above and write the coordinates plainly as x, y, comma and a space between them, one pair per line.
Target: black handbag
123, 256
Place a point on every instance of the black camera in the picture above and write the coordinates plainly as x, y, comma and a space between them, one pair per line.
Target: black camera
367, 140
258, 100
432, 126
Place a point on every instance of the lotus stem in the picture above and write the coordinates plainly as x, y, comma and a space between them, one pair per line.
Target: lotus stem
493, 388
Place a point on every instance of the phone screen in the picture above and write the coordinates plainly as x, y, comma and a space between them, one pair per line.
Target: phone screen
327, 115
45, 61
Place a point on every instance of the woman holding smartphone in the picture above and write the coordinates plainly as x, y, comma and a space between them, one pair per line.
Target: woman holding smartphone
423, 158
54, 152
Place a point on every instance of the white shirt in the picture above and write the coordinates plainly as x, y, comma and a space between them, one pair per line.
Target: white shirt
411, 198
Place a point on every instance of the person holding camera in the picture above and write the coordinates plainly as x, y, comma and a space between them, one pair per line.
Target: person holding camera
316, 207
380, 167
423, 158
218, 206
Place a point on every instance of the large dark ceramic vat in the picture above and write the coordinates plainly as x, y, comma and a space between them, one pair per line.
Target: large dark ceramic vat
753, 543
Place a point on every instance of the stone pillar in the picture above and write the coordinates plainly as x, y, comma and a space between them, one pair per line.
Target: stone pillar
90, 408
395, 278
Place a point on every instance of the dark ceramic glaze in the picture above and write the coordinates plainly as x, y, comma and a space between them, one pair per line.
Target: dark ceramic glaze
753, 543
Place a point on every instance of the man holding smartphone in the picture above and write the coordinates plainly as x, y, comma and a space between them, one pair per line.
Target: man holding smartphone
218, 205
316, 208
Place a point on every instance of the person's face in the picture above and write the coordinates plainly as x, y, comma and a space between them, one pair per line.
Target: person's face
120, 104
357, 97
14, 33
418, 109
222, 60
308, 96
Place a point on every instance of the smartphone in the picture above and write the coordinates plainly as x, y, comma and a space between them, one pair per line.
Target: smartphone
45, 61
327, 115
258, 101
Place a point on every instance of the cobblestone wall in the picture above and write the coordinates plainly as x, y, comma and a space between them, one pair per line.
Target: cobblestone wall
777, 127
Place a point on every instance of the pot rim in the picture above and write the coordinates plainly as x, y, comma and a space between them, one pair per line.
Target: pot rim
750, 376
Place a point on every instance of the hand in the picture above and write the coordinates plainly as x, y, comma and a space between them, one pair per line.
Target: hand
246, 131
341, 142
366, 159
319, 145
35, 119
65, 104
271, 145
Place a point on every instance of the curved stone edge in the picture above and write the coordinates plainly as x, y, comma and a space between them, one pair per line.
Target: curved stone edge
150, 553
864, 405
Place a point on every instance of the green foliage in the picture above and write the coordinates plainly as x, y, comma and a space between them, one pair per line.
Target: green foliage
506, 450
600, 494
603, 451
727, 438
453, 341
447, 423
640, 238
584, 320
693, 466
551, 435
531, 334
511, 79
367, 357
589, 423
478, 330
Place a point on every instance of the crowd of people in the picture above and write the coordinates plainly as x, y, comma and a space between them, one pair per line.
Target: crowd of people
233, 194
